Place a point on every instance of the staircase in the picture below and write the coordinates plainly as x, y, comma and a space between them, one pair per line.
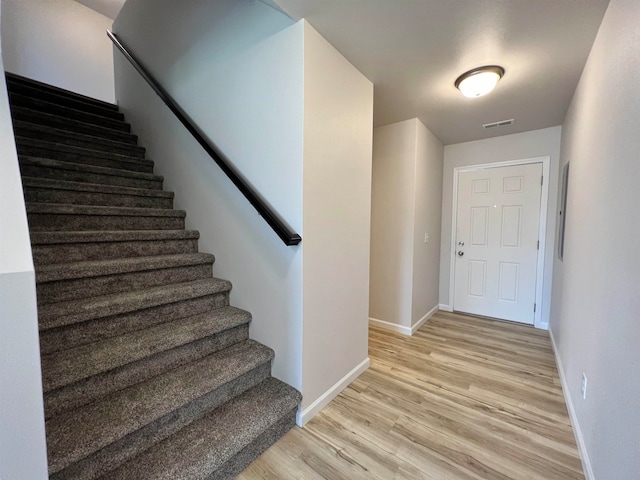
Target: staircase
148, 372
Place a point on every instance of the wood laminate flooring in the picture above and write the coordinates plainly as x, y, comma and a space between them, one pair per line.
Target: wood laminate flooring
464, 398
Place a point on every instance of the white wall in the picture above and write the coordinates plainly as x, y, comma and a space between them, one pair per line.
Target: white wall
427, 220
219, 60
392, 216
405, 204
23, 451
59, 42
536, 143
595, 316
338, 130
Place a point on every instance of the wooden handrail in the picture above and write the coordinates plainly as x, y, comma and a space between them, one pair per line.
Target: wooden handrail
286, 234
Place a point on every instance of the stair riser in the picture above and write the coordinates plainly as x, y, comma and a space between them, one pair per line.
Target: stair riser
112, 119
106, 327
62, 290
84, 392
70, 125
40, 171
49, 222
98, 144
234, 466
85, 157
122, 450
34, 88
45, 254
74, 197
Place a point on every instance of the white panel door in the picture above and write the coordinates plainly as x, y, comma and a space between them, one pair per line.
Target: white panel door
497, 222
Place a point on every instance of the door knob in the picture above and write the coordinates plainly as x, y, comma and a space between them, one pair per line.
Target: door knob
460, 253
461, 244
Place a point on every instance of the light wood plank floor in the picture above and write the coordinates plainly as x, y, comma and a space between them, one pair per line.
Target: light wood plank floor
464, 398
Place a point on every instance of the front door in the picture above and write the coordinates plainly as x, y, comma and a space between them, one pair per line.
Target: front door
496, 253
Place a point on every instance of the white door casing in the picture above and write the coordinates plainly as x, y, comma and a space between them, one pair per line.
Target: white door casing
496, 241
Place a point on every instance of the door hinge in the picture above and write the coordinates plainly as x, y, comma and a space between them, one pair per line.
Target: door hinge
534, 308
538, 247
542, 180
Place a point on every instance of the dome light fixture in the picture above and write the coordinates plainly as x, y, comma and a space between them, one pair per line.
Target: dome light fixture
479, 81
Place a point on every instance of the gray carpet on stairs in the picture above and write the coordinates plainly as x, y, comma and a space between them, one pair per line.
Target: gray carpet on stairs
148, 372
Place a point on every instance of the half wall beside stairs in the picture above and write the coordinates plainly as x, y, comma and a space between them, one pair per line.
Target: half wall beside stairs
295, 117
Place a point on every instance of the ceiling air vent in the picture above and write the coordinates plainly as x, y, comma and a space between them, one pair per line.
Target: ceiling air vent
501, 123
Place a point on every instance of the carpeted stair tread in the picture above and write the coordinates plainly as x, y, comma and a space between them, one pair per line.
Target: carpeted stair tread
72, 217
14, 81
75, 270
69, 209
51, 190
69, 366
38, 148
51, 183
92, 388
36, 117
45, 238
210, 443
82, 432
66, 281
56, 105
83, 140
52, 247
26, 160
54, 315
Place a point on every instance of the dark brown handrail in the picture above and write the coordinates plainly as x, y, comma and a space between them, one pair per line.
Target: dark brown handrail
288, 236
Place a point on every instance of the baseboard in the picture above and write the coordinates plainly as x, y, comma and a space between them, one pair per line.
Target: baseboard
302, 417
394, 327
584, 455
419, 323
390, 326
445, 308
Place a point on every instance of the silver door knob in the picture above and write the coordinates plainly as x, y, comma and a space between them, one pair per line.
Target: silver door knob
461, 244
460, 253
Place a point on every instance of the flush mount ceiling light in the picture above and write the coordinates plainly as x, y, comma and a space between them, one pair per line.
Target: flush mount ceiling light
479, 81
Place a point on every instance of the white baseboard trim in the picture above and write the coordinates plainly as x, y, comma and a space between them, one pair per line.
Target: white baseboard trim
390, 326
445, 308
394, 327
582, 448
419, 323
302, 417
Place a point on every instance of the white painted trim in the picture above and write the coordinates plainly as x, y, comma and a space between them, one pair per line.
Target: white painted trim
538, 321
419, 323
445, 307
582, 448
394, 327
302, 417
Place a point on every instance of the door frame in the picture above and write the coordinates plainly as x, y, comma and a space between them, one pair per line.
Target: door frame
538, 321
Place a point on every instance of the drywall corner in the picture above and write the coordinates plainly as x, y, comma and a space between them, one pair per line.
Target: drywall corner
338, 129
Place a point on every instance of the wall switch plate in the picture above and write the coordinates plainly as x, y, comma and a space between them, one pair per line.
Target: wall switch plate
426, 238
584, 386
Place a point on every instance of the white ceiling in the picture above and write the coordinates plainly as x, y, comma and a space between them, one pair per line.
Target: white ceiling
413, 50
108, 8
